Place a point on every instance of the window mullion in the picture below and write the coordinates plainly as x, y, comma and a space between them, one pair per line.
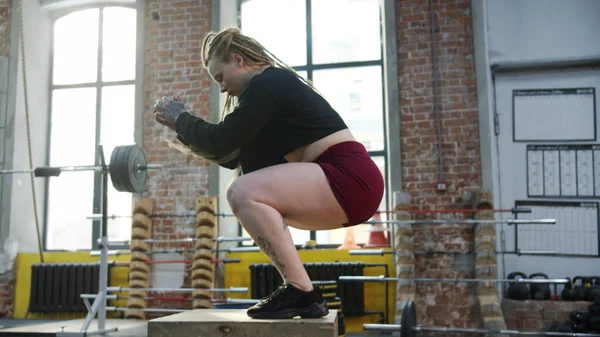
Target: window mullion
97, 198
309, 65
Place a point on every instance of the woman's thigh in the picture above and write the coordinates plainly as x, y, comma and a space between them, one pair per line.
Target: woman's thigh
300, 192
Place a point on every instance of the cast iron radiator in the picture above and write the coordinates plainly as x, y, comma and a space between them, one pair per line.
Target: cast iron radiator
264, 279
56, 287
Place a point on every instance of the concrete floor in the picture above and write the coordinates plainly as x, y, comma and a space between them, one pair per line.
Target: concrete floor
126, 328
22, 327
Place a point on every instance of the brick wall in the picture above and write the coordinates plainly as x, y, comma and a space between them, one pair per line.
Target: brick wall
539, 315
7, 290
5, 17
174, 33
6, 278
444, 304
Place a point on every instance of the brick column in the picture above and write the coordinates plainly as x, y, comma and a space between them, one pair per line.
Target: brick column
437, 304
172, 58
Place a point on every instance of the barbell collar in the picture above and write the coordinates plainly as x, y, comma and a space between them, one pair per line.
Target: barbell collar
382, 278
367, 252
398, 327
516, 210
149, 167
531, 222
92, 296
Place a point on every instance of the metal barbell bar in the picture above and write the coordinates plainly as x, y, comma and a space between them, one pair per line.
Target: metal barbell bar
179, 290
155, 310
165, 298
217, 239
410, 328
55, 171
467, 221
518, 252
228, 250
128, 168
382, 278
158, 215
479, 210
152, 262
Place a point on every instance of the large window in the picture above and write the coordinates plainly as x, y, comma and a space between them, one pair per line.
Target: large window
92, 102
338, 45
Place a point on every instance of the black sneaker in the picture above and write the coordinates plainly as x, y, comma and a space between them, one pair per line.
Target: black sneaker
288, 302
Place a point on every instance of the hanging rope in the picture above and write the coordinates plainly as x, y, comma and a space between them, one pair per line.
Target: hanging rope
35, 213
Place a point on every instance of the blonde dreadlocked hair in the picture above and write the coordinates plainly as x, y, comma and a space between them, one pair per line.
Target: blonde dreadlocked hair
231, 41
221, 45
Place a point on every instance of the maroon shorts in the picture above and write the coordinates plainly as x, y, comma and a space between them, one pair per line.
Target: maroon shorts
356, 181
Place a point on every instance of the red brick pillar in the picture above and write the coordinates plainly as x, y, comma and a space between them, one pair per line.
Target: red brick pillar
173, 39
455, 94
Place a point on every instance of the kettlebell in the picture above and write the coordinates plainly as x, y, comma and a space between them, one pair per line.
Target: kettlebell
581, 328
594, 323
560, 327
592, 287
579, 289
579, 317
517, 291
540, 291
567, 293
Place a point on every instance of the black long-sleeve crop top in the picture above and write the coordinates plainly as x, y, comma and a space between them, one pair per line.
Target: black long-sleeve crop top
277, 114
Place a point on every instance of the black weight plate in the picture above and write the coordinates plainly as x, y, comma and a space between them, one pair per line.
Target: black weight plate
123, 168
137, 158
115, 168
408, 320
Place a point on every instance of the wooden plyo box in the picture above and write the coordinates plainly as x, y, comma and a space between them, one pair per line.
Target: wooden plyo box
235, 323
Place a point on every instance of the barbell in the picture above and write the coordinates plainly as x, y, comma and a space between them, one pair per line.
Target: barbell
382, 278
128, 169
466, 221
408, 327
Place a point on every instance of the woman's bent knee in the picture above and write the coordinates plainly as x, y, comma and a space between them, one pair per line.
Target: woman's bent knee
238, 195
233, 197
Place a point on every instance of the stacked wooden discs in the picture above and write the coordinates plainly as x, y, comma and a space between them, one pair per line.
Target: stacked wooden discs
405, 259
486, 266
203, 267
330, 294
139, 270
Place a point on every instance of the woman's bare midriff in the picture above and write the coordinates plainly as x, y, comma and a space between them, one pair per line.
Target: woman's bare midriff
310, 152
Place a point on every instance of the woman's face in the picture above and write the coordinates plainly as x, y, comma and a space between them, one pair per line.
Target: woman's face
231, 76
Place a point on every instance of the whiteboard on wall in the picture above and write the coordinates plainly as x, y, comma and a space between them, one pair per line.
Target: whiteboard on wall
554, 115
575, 232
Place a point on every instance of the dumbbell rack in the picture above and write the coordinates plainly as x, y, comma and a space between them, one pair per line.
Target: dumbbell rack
98, 307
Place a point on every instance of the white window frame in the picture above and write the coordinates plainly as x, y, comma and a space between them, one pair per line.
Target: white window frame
387, 61
59, 9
